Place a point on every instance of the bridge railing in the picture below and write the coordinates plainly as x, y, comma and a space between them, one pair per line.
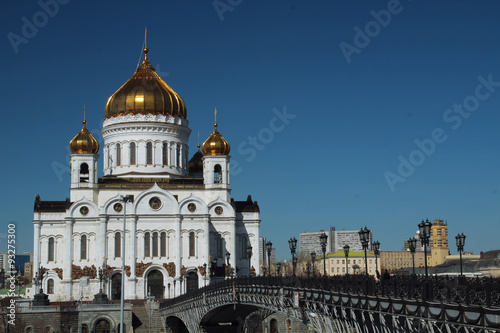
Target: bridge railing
452, 290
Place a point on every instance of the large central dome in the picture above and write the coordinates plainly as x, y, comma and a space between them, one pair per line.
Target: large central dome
145, 93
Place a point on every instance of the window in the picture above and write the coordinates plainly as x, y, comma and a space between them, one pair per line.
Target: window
217, 174
132, 153
178, 156
147, 251
288, 325
164, 152
84, 173
243, 248
149, 153
338, 261
51, 249
343, 261
50, 286
155, 244
118, 154
163, 244
85, 328
83, 247
338, 269
191, 244
218, 242
117, 245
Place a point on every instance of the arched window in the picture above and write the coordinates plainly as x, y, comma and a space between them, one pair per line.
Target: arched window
83, 247
118, 154
50, 286
191, 244
178, 152
288, 325
85, 328
51, 249
118, 243
217, 174
155, 244
132, 153
84, 173
164, 152
163, 244
147, 238
149, 153
243, 248
274, 326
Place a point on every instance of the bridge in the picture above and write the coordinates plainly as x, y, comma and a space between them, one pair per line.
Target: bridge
340, 304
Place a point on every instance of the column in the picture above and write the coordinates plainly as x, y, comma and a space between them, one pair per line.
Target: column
206, 244
171, 154
102, 240
178, 246
181, 156
132, 255
36, 249
232, 233
68, 255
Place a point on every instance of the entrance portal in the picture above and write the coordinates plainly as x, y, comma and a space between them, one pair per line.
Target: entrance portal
116, 286
155, 284
191, 281
102, 326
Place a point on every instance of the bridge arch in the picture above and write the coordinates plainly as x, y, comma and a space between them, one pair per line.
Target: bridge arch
174, 324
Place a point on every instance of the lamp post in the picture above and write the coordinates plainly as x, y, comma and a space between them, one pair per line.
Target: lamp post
228, 257
460, 238
269, 248
313, 259
125, 199
292, 242
249, 255
376, 251
294, 262
412, 244
425, 235
205, 273
214, 267
364, 235
168, 285
308, 269
346, 252
322, 239
278, 268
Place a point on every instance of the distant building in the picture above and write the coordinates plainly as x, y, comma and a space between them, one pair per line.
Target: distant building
489, 264
439, 242
337, 239
336, 263
394, 260
28, 270
19, 261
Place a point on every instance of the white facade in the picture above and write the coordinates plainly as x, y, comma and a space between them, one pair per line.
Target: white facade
175, 223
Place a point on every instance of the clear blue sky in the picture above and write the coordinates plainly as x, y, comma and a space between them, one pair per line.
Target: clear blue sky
357, 103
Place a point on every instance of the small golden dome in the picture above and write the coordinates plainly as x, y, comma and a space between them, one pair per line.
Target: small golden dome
145, 93
84, 142
216, 144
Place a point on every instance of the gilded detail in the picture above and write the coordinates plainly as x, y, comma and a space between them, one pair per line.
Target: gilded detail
140, 268
170, 267
59, 272
77, 272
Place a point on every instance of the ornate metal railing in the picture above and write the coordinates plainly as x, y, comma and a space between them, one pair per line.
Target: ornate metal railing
450, 290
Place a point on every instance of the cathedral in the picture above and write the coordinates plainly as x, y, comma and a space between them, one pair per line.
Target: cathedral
174, 216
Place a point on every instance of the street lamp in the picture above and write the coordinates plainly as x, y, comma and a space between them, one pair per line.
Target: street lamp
412, 244
364, 235
278, 268
295, 259
425, 235
460, 246
376, 251
346, 252
292, 242
249, 255
205, 273
313, 259
269, 248
125, 199
322, 239
308, 269
228, 256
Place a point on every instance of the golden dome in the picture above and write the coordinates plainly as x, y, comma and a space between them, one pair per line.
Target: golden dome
145, 93
84, 142
216, 144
